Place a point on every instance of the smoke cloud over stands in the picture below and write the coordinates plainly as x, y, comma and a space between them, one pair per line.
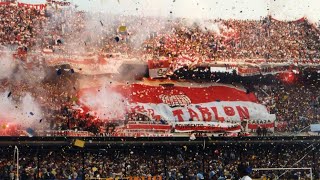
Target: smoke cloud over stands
21, 108
105, 103
26, 112
7, 65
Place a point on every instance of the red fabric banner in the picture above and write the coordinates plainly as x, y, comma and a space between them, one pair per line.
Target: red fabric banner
139, 93
35, 6
158, 68
170, 102
4, 3
154, 64
205, 128
157, 127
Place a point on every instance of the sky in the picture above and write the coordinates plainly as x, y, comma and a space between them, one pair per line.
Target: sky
204, 9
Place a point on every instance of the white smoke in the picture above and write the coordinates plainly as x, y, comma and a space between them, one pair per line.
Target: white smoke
214, 26
19, 107
105, 103
7, 64
293, 10
15, 70
29, 76
26, 112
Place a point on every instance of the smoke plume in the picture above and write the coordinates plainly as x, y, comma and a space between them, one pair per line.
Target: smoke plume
105, 103
25, 112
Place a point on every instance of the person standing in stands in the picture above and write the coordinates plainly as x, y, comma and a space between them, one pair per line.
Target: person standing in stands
259, 131
244, 171
264, 131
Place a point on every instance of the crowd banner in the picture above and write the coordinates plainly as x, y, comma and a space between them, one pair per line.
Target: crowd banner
246, 67
165, 67
274, 69
4, 3
59, 3
158, 127
264, 124
158, 68
178, 103
248, 71
212, 111
206, 127
35, 6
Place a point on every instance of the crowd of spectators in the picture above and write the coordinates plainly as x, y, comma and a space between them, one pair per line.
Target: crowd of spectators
295, 104
61, 32
290, 106
66, 30
174, 162
268, 39
19, 26
231, 40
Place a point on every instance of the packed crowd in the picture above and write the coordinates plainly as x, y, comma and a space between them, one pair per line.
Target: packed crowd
174, 162
296, 105
293, 108
64, 30
19, 26
214, 40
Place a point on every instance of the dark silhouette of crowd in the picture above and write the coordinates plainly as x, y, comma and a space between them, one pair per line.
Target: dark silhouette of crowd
168, 162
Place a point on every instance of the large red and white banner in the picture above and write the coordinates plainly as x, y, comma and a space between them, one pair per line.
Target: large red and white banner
217, 103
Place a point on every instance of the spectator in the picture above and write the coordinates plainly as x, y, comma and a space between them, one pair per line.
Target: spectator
259, 131
244, 172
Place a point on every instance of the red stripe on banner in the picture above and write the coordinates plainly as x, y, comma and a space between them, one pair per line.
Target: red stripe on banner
4, 3
205, 128
139, 93
179, 103
148, 127
35, 6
